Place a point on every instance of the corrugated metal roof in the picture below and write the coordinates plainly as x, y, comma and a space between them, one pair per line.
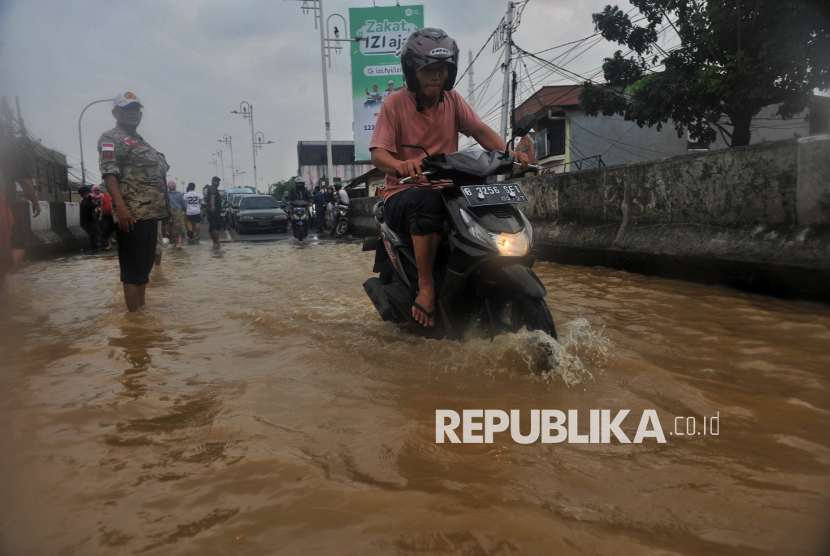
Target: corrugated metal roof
548, 97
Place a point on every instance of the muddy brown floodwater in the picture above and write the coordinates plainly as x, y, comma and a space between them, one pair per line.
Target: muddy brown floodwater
260, 406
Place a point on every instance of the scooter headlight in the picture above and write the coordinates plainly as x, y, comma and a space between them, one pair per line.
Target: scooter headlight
511, 245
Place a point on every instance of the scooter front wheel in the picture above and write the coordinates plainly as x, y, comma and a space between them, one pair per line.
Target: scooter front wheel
342, 226
532, 313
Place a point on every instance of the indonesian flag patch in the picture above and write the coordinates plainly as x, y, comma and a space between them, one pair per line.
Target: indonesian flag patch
131, 142
107, 150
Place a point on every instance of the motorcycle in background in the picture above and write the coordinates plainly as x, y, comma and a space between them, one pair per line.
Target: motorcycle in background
340, 224
300, 217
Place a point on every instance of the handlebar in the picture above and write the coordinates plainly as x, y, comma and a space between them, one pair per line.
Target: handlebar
403, 181
533, 167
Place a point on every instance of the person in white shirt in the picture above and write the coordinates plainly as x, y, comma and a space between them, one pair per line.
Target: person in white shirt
193, 202
344, 197
390, 89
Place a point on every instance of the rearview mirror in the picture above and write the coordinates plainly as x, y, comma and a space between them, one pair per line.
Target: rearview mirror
524, 125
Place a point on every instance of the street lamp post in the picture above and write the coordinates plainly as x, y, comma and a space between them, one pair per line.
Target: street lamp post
215, 165
247, 111
81, 140
325, 51
222, 164
228, 140
236, 172
259, 141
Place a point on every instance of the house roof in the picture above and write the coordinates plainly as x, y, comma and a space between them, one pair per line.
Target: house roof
548, 97
373, 174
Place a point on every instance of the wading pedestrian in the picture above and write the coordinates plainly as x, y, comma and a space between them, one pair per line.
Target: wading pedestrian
107, 222
135, 175
213, 205
193, 202
97, 212
6, 223
177, 221
15, 169
319, 207
87, 210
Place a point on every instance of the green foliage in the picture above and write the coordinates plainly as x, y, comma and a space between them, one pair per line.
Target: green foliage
735, 57
277, 189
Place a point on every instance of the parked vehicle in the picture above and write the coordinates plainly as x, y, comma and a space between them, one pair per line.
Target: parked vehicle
340, 220
247, 190
300, 217
260, 212
489, 250
233, 207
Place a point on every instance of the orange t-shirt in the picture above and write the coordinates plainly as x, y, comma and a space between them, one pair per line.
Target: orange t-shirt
436, 129
107, 207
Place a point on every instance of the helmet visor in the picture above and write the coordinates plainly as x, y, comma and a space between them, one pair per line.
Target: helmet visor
421, 63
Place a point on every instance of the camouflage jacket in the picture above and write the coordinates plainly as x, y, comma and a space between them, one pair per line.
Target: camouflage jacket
141, 172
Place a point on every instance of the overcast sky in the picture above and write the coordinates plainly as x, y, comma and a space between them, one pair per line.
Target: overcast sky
193, 61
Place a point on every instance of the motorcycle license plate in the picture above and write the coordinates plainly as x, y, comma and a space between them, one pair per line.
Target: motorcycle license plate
496, 194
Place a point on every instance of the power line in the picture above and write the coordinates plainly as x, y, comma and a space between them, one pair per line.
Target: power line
480, 51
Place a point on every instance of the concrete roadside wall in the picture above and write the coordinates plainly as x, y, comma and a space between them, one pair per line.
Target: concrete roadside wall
361, 219
755, 218
55, 231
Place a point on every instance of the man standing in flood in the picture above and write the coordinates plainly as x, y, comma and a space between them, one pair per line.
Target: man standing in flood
213, 206
136, 178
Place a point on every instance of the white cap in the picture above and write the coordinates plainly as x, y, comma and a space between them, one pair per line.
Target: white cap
125, 98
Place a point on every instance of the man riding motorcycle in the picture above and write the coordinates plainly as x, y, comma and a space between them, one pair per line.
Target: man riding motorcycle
430, 114
299, 191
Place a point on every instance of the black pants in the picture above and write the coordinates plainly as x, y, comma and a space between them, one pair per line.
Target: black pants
416, 211
93, 230
107, 228
320, 219
137, 251
215, 221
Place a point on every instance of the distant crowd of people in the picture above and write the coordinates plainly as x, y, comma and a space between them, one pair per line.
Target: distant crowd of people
135, 209
325, 202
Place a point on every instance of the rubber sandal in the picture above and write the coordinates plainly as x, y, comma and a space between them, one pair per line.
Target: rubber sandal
424, 311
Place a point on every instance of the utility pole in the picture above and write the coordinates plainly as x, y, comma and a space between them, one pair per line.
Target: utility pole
228, 140
508, 52
329, 165
513, 102
471, 92
247, 111
325, 51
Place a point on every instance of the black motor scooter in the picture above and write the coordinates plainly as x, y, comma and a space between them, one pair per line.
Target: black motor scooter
300, 217
482, 272
340, 221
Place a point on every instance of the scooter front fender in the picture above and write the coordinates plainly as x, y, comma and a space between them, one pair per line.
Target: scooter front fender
514, 277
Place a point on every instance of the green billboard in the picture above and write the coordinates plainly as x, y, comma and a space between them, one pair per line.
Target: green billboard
376, 64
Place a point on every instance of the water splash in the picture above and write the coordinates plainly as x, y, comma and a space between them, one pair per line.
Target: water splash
580, 352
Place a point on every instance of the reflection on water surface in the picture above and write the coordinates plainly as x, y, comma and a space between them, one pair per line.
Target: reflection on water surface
259, 405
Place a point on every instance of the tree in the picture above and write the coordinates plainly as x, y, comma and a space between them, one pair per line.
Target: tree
277, 189
735, 57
